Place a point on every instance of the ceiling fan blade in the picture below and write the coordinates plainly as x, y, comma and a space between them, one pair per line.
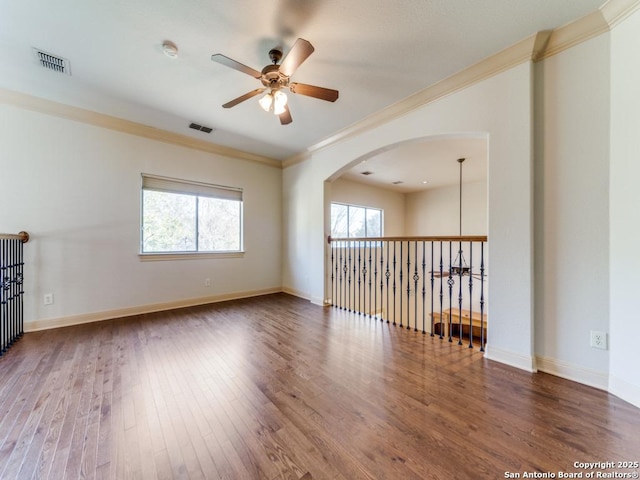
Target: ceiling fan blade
298, 54
312, 91
285, 118
244, 97
228, 62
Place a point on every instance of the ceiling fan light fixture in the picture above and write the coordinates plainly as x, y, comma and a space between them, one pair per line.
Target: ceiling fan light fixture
266, 102
275, 101
279, 102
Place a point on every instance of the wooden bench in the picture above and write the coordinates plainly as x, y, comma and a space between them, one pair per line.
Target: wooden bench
451, 316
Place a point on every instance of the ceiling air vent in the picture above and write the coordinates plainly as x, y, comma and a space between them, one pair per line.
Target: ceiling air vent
52, 62
367, 173
397, 182
195, 126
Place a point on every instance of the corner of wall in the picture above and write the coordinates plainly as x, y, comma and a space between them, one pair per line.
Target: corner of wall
513, 359
625, 390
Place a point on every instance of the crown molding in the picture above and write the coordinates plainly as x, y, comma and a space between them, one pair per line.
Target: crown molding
574, 33
616, 11
535, 48
69, 112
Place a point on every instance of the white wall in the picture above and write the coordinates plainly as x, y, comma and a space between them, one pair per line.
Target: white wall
624, 210
572, 210
355, 193
499, 106
430, 212
436, 211
76, 189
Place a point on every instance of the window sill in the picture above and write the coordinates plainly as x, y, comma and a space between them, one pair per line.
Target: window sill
154, 257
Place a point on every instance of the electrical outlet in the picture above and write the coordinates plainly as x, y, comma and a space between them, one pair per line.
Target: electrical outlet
207, 282
598, 340
48, 299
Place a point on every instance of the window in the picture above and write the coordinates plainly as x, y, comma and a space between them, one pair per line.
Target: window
349, 221
180, 216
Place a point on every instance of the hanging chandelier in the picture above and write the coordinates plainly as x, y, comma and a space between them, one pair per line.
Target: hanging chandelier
460, 266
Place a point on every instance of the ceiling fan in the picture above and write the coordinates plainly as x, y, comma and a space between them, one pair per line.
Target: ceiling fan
276, 77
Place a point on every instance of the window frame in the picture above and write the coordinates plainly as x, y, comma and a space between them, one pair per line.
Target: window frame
151, 182
349, 205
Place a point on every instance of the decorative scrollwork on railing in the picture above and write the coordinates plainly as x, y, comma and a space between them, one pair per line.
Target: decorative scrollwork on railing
11, 288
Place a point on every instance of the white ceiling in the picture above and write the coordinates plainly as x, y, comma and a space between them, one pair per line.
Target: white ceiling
433, 161
375, 52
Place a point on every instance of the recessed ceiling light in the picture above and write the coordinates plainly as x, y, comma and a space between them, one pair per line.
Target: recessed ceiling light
424, 182
170, 49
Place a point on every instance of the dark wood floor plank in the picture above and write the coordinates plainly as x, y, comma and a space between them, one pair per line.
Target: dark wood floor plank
19, 406
48, 425
73, 469
31, 435
274, 387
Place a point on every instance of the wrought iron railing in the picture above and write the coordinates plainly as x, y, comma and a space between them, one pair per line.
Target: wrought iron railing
435, 285
11, 289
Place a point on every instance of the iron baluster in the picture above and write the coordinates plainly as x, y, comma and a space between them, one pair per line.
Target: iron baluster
409, 286
460, 292
450, 282
382, 275
349, 278
482, 332
432, 285
353, 304
400, 288
375, 279
416, 277
343, 273
370, 279
333, 277
359, 277
441, 294
387, 274
394, 283
471, 295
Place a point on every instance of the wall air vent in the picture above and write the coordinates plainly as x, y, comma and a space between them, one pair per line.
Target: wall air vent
195, 126
367, 173
52, 62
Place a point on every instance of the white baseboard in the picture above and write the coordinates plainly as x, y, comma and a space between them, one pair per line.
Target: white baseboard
517, 360
48, 323
586, 376
319, 301
296, 293
624, 390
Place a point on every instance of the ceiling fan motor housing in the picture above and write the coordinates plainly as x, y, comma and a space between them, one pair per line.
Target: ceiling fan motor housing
273, 78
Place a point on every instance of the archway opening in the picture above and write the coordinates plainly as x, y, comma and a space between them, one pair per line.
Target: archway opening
419, 194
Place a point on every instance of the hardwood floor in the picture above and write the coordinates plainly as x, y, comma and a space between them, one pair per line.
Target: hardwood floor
276, 388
